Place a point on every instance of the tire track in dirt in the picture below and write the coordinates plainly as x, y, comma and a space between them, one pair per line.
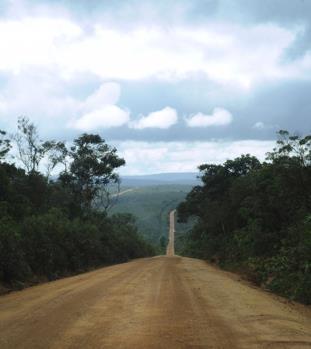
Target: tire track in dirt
164, 302
160, 302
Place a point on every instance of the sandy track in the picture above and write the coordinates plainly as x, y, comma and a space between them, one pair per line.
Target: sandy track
170, 251
161, 302
123, 192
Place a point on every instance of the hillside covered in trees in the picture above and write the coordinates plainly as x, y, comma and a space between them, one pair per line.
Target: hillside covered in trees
151, 205
50, 228
255, 217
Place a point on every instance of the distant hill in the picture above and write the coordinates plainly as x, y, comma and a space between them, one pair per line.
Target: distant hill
151, 206
150, 198
183, 178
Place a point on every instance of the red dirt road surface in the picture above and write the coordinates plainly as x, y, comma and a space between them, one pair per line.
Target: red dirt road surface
161, 302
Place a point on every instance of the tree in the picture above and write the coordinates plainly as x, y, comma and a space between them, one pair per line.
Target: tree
92, 170
56, 153
255, 216
5, 144
49, 228
31, 149
292, 147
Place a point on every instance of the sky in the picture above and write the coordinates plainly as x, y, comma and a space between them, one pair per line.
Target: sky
172, 84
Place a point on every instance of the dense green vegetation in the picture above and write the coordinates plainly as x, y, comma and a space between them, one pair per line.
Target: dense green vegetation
151, 206
256, 217
50, 228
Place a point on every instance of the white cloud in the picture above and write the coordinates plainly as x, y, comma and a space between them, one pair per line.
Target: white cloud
100, 110
106, 117
219, 117
262, 126
259, 125
156, 157
107, 93
163, 119
225, 53
34, 41
41, 96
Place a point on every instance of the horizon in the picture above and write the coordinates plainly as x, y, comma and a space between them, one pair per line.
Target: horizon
160, 173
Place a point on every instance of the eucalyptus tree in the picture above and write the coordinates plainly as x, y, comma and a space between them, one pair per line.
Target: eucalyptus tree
91, 170
5, 144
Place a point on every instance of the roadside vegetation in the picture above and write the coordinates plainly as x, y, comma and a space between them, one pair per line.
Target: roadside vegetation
51, 227
255, 217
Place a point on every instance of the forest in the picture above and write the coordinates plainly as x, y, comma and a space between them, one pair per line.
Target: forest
53, 226
255, 217
151, 206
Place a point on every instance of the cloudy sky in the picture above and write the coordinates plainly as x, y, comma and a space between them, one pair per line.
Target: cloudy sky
172, 84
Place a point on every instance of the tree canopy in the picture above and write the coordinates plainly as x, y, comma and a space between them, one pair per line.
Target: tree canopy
256, 217
51, 227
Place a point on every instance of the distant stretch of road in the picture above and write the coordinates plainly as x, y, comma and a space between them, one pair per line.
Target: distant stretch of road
170, 251
122, 192
162, 302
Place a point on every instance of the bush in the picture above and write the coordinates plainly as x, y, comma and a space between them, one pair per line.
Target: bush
13, 265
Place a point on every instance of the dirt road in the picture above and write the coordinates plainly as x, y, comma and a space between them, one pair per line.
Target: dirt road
161, 302
170, 251
122, 192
